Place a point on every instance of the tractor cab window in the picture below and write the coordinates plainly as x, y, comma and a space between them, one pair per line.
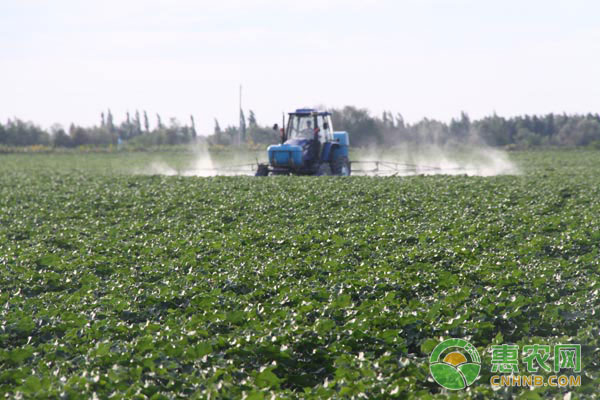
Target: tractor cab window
303, 127
326, 133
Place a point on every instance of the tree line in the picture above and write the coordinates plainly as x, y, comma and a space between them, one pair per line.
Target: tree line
134, 130
526, 131
388, 129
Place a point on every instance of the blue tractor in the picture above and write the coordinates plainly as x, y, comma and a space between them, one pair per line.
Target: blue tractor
309, 146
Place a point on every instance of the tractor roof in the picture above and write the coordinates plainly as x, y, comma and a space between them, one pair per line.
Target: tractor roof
309, 111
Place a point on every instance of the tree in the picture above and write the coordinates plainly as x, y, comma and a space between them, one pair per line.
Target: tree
217, 127
400, 121
495, 130
525, 138
137, 123
78, 135
3, 135
60, 137
159, 124
126, 128
173, 131
109, 121
193, 126
364, 130
21, 133
387, 119
584, 132
146, 122
460, 129
252, 119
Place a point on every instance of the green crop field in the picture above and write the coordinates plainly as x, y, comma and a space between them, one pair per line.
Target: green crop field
120, 285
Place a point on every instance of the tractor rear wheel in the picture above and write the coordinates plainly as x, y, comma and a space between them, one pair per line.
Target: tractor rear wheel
341, 166
263, 170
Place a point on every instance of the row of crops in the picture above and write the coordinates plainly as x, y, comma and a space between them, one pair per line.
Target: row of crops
130, 286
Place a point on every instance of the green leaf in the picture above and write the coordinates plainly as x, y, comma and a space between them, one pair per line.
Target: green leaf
32, 385
48, 260
428, 345
267, 379
203, 348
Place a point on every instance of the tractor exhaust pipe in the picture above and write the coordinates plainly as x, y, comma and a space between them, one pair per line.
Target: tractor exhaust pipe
282, 135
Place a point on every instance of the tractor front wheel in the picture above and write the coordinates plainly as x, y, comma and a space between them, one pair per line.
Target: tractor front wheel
324, 169
263, 170
341, 166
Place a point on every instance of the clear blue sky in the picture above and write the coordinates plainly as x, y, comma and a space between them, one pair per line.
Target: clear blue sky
66, 61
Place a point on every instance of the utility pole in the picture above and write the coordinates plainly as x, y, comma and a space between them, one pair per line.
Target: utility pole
241, 122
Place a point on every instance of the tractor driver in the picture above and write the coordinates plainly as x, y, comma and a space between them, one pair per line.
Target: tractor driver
308, 131
311, 133
315, 144
312, 150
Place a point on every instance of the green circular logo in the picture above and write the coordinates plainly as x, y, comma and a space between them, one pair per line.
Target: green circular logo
455, 364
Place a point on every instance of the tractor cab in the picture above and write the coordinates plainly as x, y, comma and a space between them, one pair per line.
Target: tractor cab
310, 130
309, 125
